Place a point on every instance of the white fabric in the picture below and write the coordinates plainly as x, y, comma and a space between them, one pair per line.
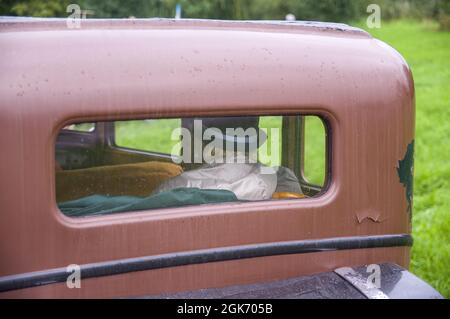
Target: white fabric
245, 180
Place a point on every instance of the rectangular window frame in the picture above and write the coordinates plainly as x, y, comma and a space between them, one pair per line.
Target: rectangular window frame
108, 131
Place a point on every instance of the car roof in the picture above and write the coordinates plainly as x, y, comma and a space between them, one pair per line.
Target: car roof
31, 23
133, 66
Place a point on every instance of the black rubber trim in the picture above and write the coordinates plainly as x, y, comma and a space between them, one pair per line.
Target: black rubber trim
122, 266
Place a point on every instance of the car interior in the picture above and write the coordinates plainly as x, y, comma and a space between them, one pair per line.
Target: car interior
88, 162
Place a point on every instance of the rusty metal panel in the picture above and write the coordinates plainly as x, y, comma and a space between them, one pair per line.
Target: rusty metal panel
118, 70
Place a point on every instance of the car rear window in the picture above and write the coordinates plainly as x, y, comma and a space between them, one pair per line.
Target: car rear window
145, 164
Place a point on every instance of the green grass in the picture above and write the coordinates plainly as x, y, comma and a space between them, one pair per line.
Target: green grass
314, 158
148, 135
427, 51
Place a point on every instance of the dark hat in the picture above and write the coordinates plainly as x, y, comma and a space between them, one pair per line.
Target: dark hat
233, 122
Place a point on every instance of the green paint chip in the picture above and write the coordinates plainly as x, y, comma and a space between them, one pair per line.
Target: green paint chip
405, 172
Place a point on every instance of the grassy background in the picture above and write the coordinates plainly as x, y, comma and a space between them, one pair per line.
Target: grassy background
148, 135
427, 51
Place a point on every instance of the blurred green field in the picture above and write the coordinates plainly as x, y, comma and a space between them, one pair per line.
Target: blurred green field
427, 51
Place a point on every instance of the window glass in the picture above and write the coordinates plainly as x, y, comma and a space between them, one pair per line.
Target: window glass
161, 163
148, 135
272, 126
314, 156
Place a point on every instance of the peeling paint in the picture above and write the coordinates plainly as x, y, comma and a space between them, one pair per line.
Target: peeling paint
371, 215
405, 171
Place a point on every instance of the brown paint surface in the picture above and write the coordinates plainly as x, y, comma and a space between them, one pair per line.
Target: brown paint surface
52, 76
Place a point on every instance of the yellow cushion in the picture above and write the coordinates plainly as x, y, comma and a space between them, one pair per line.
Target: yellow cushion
138, 179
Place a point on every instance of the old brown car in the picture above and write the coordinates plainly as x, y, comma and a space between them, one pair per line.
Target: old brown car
172, 158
